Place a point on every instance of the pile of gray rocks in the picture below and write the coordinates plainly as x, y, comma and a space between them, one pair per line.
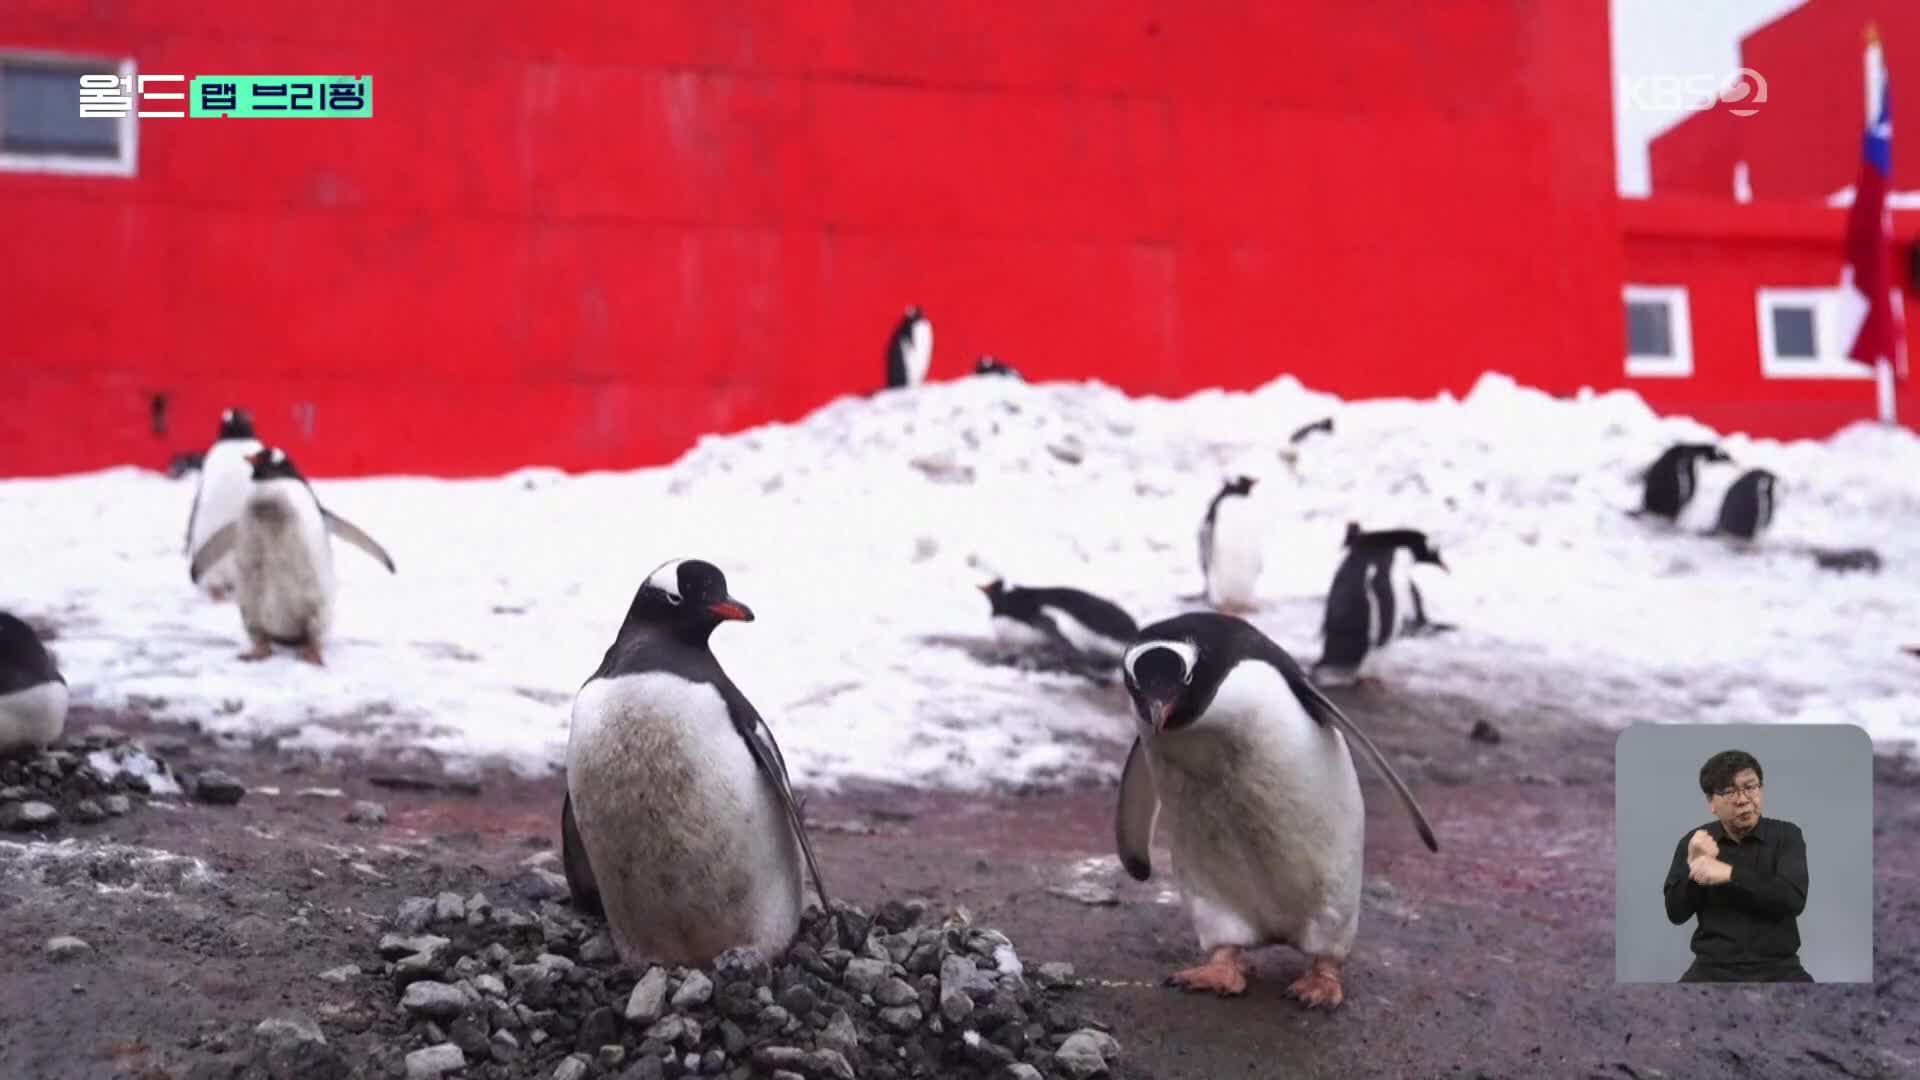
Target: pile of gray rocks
480, 991
82, 781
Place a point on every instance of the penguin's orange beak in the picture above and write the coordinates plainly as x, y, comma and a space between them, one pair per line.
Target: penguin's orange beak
1156, 711
731, 609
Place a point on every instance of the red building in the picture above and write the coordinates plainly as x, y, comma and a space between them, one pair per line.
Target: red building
584, 234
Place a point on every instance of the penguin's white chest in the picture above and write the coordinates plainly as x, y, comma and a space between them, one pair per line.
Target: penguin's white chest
1265, 819
687, 838
919, 352
285, 563
225, 480
1086, 639
33, 717
1237, 543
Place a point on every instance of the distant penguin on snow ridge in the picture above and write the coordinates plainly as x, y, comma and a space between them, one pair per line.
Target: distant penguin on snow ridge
989, 365
1071, 621
225, 478
1668, 484
910, 349
679, 821
33, 693
1232, 545
1372, 599
1747, 509
283, 559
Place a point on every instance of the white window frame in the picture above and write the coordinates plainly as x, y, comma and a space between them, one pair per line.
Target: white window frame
1830, 337
1678, 365
126, 164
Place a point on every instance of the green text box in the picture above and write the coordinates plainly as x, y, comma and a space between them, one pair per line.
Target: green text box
257, 96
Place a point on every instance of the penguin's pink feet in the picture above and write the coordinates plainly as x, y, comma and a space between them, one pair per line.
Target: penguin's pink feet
219, 593
1236, 608
311, 654
260, 651
1320, 985
1225, 973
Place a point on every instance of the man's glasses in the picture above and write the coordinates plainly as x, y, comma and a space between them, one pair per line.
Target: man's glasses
1750, 791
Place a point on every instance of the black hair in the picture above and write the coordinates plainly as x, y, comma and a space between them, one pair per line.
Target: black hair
1718, 773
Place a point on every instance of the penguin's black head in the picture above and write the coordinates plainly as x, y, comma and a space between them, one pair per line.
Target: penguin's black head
272, 463
1238, 485
914, 314
1158, 675
236, 423
1426, 552
996, 591
690, 597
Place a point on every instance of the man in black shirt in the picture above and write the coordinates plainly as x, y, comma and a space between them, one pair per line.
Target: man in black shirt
1745, 877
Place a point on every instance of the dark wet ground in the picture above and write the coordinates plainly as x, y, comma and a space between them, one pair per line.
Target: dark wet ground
1492, 958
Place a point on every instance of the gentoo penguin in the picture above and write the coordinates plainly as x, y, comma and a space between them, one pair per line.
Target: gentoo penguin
1232, 543
33, 694
1251, 766
1373, 598
988, 365
1747, 509
225, 478
678, 796
283, 559
910, 349
1076, 623
1669, 483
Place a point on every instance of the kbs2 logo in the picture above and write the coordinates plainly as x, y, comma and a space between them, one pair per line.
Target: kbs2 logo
1678, 93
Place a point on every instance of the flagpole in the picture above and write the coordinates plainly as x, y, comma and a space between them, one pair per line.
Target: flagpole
1875, 64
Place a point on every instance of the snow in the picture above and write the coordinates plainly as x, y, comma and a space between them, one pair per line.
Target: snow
857, 536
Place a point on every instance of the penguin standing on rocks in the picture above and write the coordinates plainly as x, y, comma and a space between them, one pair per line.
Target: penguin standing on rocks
225, 478
1252, 768
283, 559
1372, 600
910, 349
33, 694
1669, 483
679, 821
1747, 509
1232, 544
1076, 624
988, 365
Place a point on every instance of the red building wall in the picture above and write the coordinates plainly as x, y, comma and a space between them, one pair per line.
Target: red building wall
583, 234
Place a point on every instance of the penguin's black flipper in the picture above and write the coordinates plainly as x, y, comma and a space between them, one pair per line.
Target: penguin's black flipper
1325, 712
353, 534
1324, 424
766, 754
217, 545
1139, 810
573, 858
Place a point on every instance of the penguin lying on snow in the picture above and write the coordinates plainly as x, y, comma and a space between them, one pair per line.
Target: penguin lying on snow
1747, 510
1232, 543
910, 349
33, 694
1252, 766
988, 365
1074, 623
1373, 599
225, 478
1667, 485
283, 561
679, 821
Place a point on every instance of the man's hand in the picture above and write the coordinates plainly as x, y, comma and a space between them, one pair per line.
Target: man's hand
1702, 845
1709, 871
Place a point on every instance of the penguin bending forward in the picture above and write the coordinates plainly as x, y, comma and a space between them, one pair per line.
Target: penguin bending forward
1667, 485
33, 693
1747, 509
1372, 600
910, 349
283, 559
989, 365
1250, 765
225, 478
1231, 545
679, 822
1072, 622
